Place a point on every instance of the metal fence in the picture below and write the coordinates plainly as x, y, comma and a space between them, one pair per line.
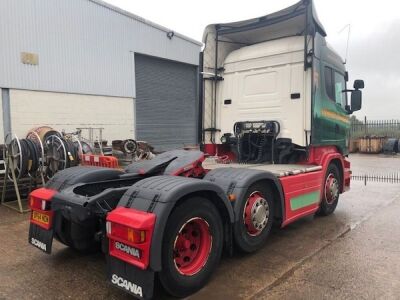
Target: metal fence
383, 178
381, 128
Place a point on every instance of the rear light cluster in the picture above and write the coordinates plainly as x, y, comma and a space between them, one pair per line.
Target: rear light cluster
40, 204
129, 232
36, 203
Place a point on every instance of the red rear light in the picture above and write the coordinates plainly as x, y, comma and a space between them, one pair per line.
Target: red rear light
41, 199
129, 232
126, 233
36, 203
40, 204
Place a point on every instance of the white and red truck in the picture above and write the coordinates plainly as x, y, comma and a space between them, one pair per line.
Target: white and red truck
275, 124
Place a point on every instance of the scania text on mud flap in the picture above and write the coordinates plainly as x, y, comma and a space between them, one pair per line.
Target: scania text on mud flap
38, 244
127, 285
275, 123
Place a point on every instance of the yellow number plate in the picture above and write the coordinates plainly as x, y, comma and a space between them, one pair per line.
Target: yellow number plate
39, 217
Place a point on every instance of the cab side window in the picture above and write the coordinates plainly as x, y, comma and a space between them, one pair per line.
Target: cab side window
340, 86
329, 83
335, 84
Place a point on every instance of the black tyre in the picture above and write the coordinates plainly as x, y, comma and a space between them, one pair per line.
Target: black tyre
331, 191
192, 247
256, 215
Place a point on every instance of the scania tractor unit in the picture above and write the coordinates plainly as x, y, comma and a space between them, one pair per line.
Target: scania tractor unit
273, 133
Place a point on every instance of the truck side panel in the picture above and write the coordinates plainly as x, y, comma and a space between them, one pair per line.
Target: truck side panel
302, 194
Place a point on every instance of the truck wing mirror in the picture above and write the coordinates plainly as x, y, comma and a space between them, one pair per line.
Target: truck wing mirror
356, 100
358, 84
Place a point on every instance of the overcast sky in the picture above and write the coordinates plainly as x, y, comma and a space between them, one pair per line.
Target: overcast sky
374, 48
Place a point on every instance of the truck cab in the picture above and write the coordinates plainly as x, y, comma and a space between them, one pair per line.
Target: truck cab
273, 88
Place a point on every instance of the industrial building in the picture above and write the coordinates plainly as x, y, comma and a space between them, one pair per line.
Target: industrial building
86, 63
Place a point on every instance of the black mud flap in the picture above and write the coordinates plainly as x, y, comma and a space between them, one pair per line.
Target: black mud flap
40, 238
137, 282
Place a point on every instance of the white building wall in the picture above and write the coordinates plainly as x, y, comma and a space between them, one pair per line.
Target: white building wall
68, 111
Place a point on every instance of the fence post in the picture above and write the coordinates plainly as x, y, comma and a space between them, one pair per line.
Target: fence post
365, 125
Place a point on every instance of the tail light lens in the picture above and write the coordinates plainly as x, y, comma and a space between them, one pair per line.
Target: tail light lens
36, 203
129, 232
40, 204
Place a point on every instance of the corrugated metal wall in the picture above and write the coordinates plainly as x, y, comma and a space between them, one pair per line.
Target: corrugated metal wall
83, 47
166, 103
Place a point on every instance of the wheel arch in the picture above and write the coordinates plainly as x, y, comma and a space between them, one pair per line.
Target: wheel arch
236, 181
161, 194
325, 155
81, 174
215, 200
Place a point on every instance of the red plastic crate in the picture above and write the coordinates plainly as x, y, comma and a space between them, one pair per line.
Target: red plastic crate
99, 161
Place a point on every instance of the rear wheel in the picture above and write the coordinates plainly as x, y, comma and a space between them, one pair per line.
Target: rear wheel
192, 247
331, 192
256, 215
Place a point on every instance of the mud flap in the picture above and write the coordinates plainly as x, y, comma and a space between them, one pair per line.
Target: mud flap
137, 282
41, 238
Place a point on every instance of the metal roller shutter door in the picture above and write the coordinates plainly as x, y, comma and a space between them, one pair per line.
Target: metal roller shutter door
166, 102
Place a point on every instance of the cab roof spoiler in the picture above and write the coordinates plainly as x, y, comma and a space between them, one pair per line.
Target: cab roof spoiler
291, 21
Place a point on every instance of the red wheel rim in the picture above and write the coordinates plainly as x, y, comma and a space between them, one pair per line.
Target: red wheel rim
255, 214
331, 189
192, 246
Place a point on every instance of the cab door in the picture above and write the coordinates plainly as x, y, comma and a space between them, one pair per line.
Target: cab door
331, 121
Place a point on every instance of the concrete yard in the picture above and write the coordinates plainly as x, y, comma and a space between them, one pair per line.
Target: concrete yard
352, 254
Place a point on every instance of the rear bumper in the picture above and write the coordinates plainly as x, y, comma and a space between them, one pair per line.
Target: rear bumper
75, 224
79, 221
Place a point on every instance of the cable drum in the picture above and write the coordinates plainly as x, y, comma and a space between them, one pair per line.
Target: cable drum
56, 155
35, 138
60, 154
43, 132
24, 155
33, 161
18, 155
72, 153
